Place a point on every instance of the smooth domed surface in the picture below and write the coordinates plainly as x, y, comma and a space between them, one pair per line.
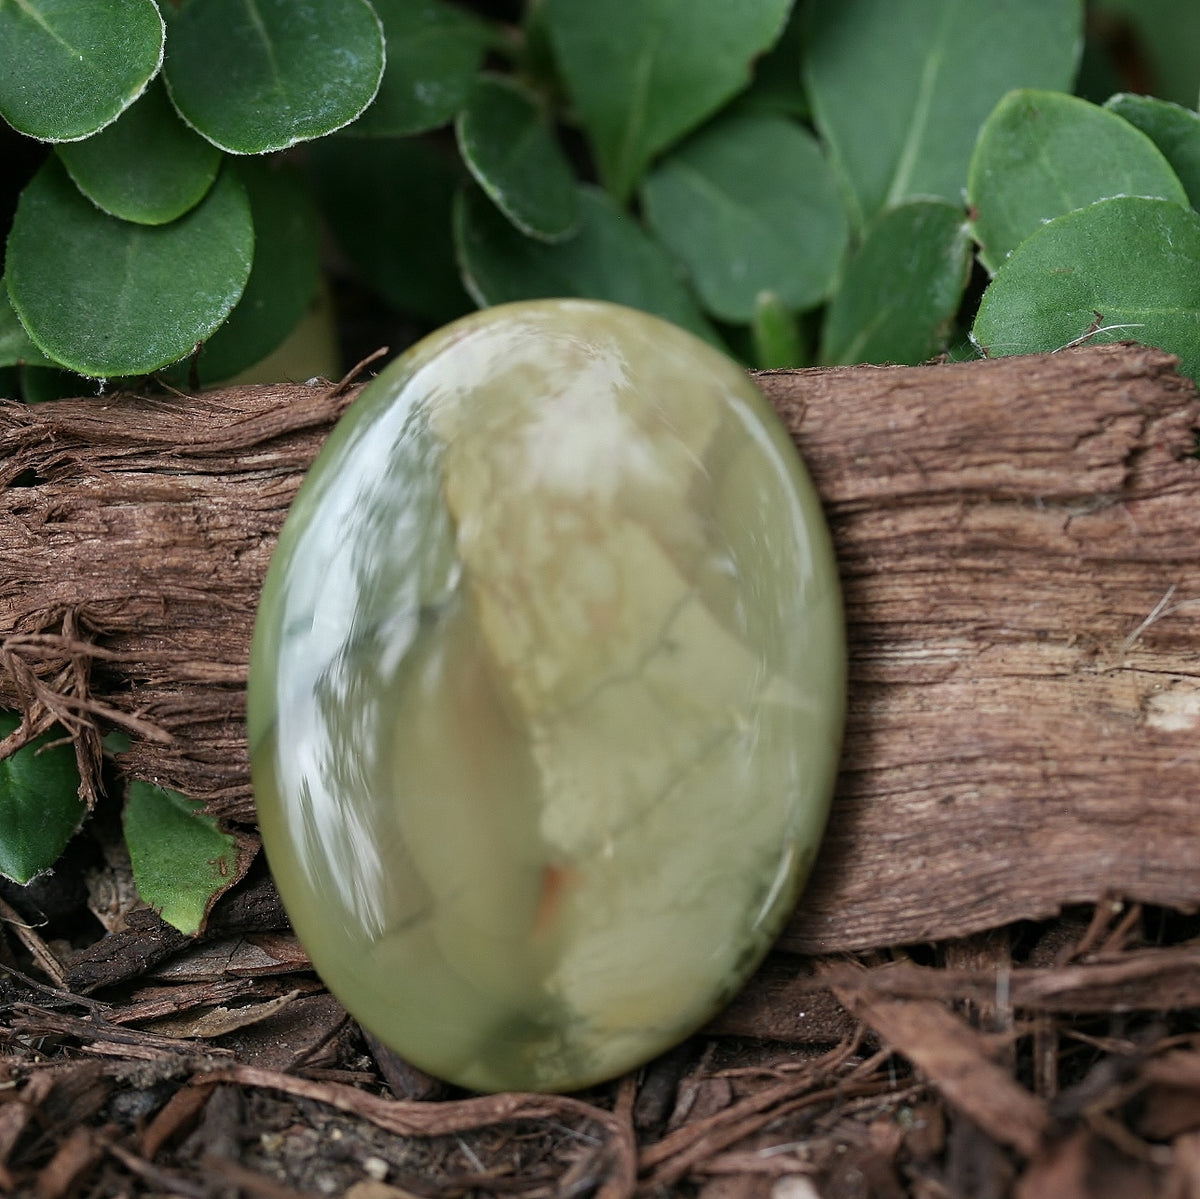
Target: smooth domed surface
546, 694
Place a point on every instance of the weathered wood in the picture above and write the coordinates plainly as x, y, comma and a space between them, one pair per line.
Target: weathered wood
1021, 568
1019, 543
136, 534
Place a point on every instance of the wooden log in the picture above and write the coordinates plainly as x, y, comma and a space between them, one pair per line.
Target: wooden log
1018, 545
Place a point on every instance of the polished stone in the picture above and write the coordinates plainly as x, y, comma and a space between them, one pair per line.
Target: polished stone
546, 694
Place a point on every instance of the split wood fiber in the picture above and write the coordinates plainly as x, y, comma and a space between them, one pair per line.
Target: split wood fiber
1019, 541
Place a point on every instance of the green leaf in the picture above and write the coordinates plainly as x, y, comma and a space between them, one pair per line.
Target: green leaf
609, 258
778, 87
107, 297
642, 75
749, 204
509, 147
182, 861
67, 69
147, 166
284, 275
260, 75
433, 53
1173, 129
776, 334
16, 348
1120, 269
900, 292
899, 91
1041, 154
40, 808
389, 204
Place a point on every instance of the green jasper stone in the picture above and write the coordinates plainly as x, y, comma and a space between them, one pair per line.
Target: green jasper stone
546, 694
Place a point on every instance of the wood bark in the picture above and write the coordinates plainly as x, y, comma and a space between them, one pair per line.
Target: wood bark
1021, 566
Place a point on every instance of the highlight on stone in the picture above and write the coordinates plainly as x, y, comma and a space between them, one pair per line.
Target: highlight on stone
546, 694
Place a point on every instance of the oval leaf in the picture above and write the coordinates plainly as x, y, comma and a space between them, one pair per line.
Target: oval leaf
40, 808
899, 91
1173, 129
610, 258
750, 205
260, 75
107, 297
389, 205
433, 53
510, 149
16, 348
147, 166
1121, 269
1041, 154
182, 861
642, 75
900, 292
283, 277
68, 69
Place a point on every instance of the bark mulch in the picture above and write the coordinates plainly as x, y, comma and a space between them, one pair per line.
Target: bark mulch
1043, 1060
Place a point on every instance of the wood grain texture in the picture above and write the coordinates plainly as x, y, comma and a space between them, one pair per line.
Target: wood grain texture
1020, 556
1021, 567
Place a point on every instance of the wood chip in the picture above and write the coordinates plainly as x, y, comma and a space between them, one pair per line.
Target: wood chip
1140, 980
145, 940
100, 1036
176, 1118
153, 1003
958, 1060
297, 1037
260, 956
17, 1111
74, 1159
218, 1021
1084, 1166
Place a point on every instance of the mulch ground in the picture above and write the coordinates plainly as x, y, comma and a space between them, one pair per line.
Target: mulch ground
1045, 1061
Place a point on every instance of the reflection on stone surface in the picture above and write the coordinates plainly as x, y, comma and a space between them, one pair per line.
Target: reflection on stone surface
546, 694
